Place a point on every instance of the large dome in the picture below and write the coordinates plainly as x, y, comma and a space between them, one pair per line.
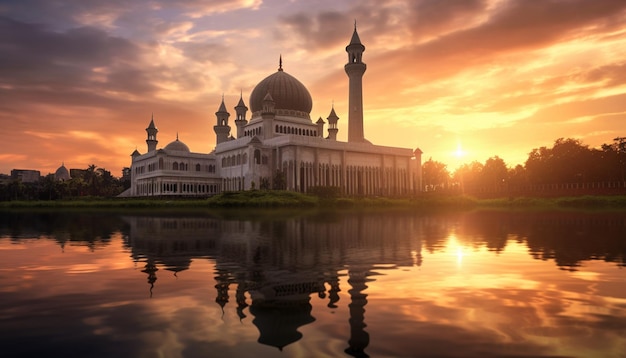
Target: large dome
177, 146
290, 96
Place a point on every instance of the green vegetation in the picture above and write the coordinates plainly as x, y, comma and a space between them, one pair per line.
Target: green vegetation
285, 199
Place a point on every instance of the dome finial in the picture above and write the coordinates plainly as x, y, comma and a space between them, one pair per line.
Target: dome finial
280, 62
177, 135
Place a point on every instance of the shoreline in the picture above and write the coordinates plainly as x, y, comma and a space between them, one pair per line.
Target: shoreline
259, 199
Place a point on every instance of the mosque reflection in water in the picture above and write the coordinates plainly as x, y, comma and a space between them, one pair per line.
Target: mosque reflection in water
280, 264
273, 270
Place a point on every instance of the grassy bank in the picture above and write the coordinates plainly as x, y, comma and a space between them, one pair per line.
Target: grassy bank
287, 199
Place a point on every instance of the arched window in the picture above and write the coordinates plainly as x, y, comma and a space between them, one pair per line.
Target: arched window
244, 159
238, 159
198, 167
175, 166
257, 157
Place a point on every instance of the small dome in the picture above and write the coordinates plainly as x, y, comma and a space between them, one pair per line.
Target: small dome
177, 145
62, 173
288, 93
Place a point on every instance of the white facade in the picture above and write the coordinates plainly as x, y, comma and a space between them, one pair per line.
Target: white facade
280, 147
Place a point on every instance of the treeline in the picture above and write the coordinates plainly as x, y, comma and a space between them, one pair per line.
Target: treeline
568, 164
89, 182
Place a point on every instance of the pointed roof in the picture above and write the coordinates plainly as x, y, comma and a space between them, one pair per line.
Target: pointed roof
222, 108
241, 104
151, 125
332, 114
320, 121
355, 37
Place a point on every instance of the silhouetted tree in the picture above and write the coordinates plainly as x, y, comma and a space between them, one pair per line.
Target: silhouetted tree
434, 175
494, 172
614, 156
567, 161
517, 176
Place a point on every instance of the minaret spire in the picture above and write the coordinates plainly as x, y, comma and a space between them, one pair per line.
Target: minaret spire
240, 118
222, 129
355, 68
152, 131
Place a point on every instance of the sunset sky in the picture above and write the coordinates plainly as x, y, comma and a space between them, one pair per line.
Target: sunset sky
80, 79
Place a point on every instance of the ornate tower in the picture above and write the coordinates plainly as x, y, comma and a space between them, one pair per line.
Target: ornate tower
332, 125
222, 129
320, 127
152, 130
240, 120
355, 68
268, 113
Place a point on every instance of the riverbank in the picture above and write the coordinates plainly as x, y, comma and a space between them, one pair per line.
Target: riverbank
287, 199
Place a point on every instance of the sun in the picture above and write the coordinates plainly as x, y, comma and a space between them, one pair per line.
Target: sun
459, 153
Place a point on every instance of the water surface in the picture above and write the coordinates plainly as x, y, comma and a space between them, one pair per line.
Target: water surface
472, 284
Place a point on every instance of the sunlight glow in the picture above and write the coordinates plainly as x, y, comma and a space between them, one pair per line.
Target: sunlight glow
457, 249
459, 153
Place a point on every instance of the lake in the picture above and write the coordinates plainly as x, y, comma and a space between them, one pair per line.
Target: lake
324, 284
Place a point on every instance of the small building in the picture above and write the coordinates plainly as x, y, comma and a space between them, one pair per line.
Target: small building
25, 175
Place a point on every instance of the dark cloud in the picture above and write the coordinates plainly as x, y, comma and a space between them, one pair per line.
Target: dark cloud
61, 14
35, 55
320, 31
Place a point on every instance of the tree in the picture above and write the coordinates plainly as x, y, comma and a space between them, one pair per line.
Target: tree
469, 175
517, 176
92, 179
279, 181
614, 155
567, 161
494, 173
435, 176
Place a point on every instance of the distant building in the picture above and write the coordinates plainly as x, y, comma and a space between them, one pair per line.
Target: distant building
62, 174
4, 178
25, 175
280, 147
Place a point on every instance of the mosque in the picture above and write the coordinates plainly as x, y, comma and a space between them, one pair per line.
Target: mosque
280, 147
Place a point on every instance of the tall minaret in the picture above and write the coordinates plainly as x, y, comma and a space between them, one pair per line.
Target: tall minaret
222, 129
152, 130
355, 68
240, 120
